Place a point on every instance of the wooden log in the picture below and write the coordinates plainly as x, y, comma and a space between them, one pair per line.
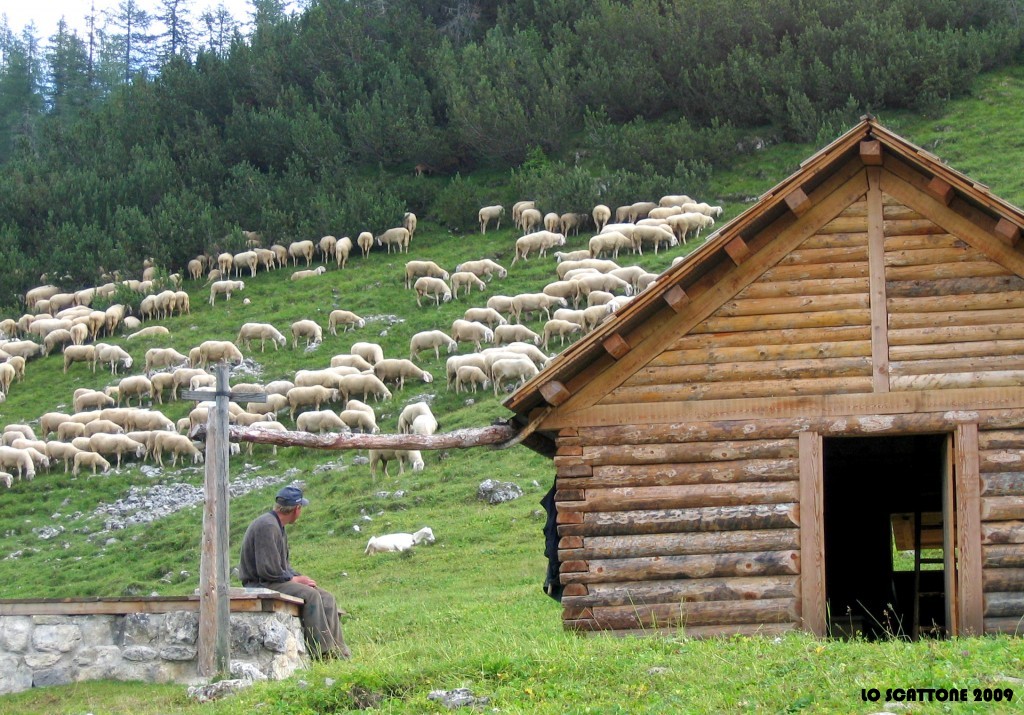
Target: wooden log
844, 224
956, 318
1003, 556
616, 345
756, 338
898, 211
959, 364
555, 392
931, 256
876, 290
564, 450
738, 250
1001, 439
685, 496
837, 254
588, 627
660, 521
575, 589
570, 495
1012, 626
690, 452
800, 304
1002, 532
755, 370
573, 567
941, 190
953, 286
574, 470
1003, 579
1005, 484
756, 563
494, 436
705, 613
686, 591
1000, 378
815, 271
712, 542
1002, 508
569, 518
905, 227
958, 303
857, 208
794, 289
979, 349
917, 243
941, 271
1007, 231
676, 298
654, 475
570, 542
766, 352
835, 240
1004, 604
955, 334
787, 321
728, 390
797, 201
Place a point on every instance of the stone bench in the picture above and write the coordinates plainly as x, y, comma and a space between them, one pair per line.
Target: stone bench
51, 641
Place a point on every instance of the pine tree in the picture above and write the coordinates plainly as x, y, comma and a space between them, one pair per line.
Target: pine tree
180, 35
68, 87
21, 103
221, 28
130, 39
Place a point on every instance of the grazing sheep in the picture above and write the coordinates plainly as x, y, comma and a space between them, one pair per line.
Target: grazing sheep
611, 242
24, 349
79, 332
527, 303
370, 352
703, 208
64, 451
601, 266
465, 331
134, 386
177, 445
517, 210
274, 404
263, 331
101, 426
118, 444
513, 371
34, 295
428, 339
640, 210
195, 269
72, 353
568, 289
91, 399
300, 275
347, 360
342, 251
315, 395
320, 421
530, 219
470, 375
483, 268
505, 334
225, 261
601, 215
453, 364
361, 420
540, 242
365, 242
266, 258
398, 369
487, 316
301, 249
163, 357
417, 269
328, 246
18, 363
365, 385
307, 329
149, 332
603, 281
114, 355
655, 235
424, 425
182, 377
346, 318
243, 260
561, 328
674, 200
410, 413
571, 222
85, 458
435, 287
488, 214
226, 288
403, 456
397, 237
49, 422
214, 351
280, 254
395, 543
468, 280
409, 223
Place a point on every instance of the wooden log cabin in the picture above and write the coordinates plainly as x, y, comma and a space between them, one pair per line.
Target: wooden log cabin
837, 370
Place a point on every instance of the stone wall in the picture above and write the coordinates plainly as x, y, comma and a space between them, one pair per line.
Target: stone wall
41, 650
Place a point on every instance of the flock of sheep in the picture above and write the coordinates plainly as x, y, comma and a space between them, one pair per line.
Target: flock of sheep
104, 425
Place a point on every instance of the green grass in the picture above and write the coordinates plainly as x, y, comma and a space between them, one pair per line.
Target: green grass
467, 611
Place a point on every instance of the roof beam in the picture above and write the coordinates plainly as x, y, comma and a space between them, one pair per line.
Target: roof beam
941, 190
871, 152
616, 345
798, 202
1008, 231
555, 392
676, 298
738, 250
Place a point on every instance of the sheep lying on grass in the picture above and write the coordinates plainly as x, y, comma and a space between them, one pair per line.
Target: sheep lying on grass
398, 542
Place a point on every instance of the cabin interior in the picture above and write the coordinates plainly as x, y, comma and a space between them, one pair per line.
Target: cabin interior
875, 489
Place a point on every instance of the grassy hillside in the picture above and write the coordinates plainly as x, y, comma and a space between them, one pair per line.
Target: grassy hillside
467, 611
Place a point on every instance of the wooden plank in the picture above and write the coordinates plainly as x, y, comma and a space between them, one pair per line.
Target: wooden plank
125, 606
797, 288
1002, 508
712, 542
959, 303
686, 591
1001, 439
786, 321
982, 350
749, 389
1001, 460
616, 345
574, 470
811, 256
1009, 626
817, 271
668, 452
588, 627
995, 378
676, 298
876, 283
1003, 484
684, 496
703, 613
954, 286
738, 250
764, 352
1002, 604
757, 338
835, 240
843, 224
950, 572
659, 334
823, 367
943, 271
554, 392
753, 563
960, 364
955, 334
1004, 579
798, 202
941, 190
1002, 532
1003, 556
968, 529
660, 521
668, 474
812, 534
799, 304
928, 241
1008, 231
912, 227
955, 318
931, 256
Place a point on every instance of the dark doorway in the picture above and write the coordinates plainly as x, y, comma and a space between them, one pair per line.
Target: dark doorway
871, 483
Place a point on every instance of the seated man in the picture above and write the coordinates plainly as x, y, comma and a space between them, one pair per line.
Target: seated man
265, 564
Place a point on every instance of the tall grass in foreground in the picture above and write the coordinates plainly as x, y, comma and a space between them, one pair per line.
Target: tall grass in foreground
467, 611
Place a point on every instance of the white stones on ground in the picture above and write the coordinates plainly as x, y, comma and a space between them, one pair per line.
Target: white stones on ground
246, 671
458, 698
218, 690
495, 492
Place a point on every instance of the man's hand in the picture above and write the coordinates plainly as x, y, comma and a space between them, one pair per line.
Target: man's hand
305, 581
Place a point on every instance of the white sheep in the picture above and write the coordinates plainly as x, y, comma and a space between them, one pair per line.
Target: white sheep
348, 360
361, 420
320, 421
300, 275
85, 458
398, 369
571, 222
134, 386
226, 288
403, 456
365, 242
263, 331
568, 289
214, 351
640, 210
315, 395
395, 543
487, 316
527, 303
370, 352
517, 210
530, 219
342, 251
674, 200
467, 280
117, 444
410, 413
427, 286
308, 329
603, 281
453, 364
409, 223
511, 370
346, 318
417, 269
465, 331
490, 213
56, 338
701, 207
163, 357
540, 242
483, 268
656, 235
467, 375
505, 334
301, 249
430, 339
328, 246
552, 222
561, 328
366, 385
7, 372
398, 237
609, 243
601, 215
280, 254
601, 266
148, 332
113, 355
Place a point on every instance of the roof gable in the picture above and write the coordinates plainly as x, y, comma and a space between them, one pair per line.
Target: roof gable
731, 272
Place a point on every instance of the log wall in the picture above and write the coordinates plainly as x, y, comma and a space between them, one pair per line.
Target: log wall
668, 533
1002, 528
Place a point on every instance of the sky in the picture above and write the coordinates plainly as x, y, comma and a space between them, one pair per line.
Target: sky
46, 13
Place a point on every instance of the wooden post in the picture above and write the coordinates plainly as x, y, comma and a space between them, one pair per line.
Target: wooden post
214, 602
812, 534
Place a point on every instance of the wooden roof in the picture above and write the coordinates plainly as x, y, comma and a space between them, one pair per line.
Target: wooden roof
711, 275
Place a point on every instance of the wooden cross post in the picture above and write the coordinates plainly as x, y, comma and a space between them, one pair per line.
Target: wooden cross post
214, 568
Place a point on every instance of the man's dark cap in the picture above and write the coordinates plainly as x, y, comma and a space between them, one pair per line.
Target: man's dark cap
291, 496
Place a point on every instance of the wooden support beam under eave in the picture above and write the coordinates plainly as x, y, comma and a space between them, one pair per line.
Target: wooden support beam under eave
738, 250
798, 202
1008, 231
871, 152
616, 345
555, 393
676, 298
941, 190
